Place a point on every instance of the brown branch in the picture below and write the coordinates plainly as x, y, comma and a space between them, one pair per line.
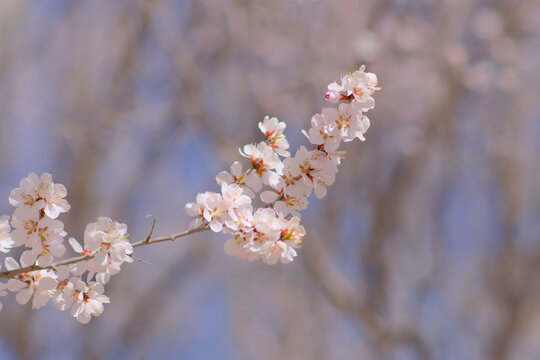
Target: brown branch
77, 259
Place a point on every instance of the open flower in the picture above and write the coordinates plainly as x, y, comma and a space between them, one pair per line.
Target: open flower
41, 192
233, 197
248, 180
264, 160
358, 86
25, 223
348, 122
273, 129
361, 85
46, 243
209, 207
108, 241
40, 284
87, 298
323, 132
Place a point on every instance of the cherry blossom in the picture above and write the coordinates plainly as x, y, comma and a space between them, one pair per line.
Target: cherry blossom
273, 129
240, 246
264, 160
323, 172
87, 298
39, 283
347, 122
42, 193
295, 184
28, 191
209, 207
233, 198
302, 164
270, 238
274, 251
108, 241
288, 198
290, 238
243, 220
248, 180
47, 242
323, 132
61, 295
358, 85
25, 223
361, 86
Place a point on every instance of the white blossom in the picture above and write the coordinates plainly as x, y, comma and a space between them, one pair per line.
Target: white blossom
248, 180
302, 164
272, 238
108, 241
323, 132
41, 192
87, 299
47, 242
274, 251
43, 235
243, 222
210, 207
361, 85
324, 173
264, 160
273, 129
241, 246
61, 296
40, 284
233, 197
347, 122
358, 86
287, 198
290, 239
25, 223
295, 184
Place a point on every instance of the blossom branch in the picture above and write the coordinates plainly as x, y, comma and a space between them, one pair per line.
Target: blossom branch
271, 233
78, 259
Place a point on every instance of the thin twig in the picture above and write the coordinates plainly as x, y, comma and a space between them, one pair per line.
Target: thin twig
141, 260
153, 225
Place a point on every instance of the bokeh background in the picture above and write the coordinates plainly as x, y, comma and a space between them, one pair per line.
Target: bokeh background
428, 245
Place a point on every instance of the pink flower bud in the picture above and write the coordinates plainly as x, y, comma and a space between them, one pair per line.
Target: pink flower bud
333, 96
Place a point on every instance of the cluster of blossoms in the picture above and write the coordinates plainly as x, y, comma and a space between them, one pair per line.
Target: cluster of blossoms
272, 232
35, 227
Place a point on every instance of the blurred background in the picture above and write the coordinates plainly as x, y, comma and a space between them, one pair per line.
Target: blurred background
428, 245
